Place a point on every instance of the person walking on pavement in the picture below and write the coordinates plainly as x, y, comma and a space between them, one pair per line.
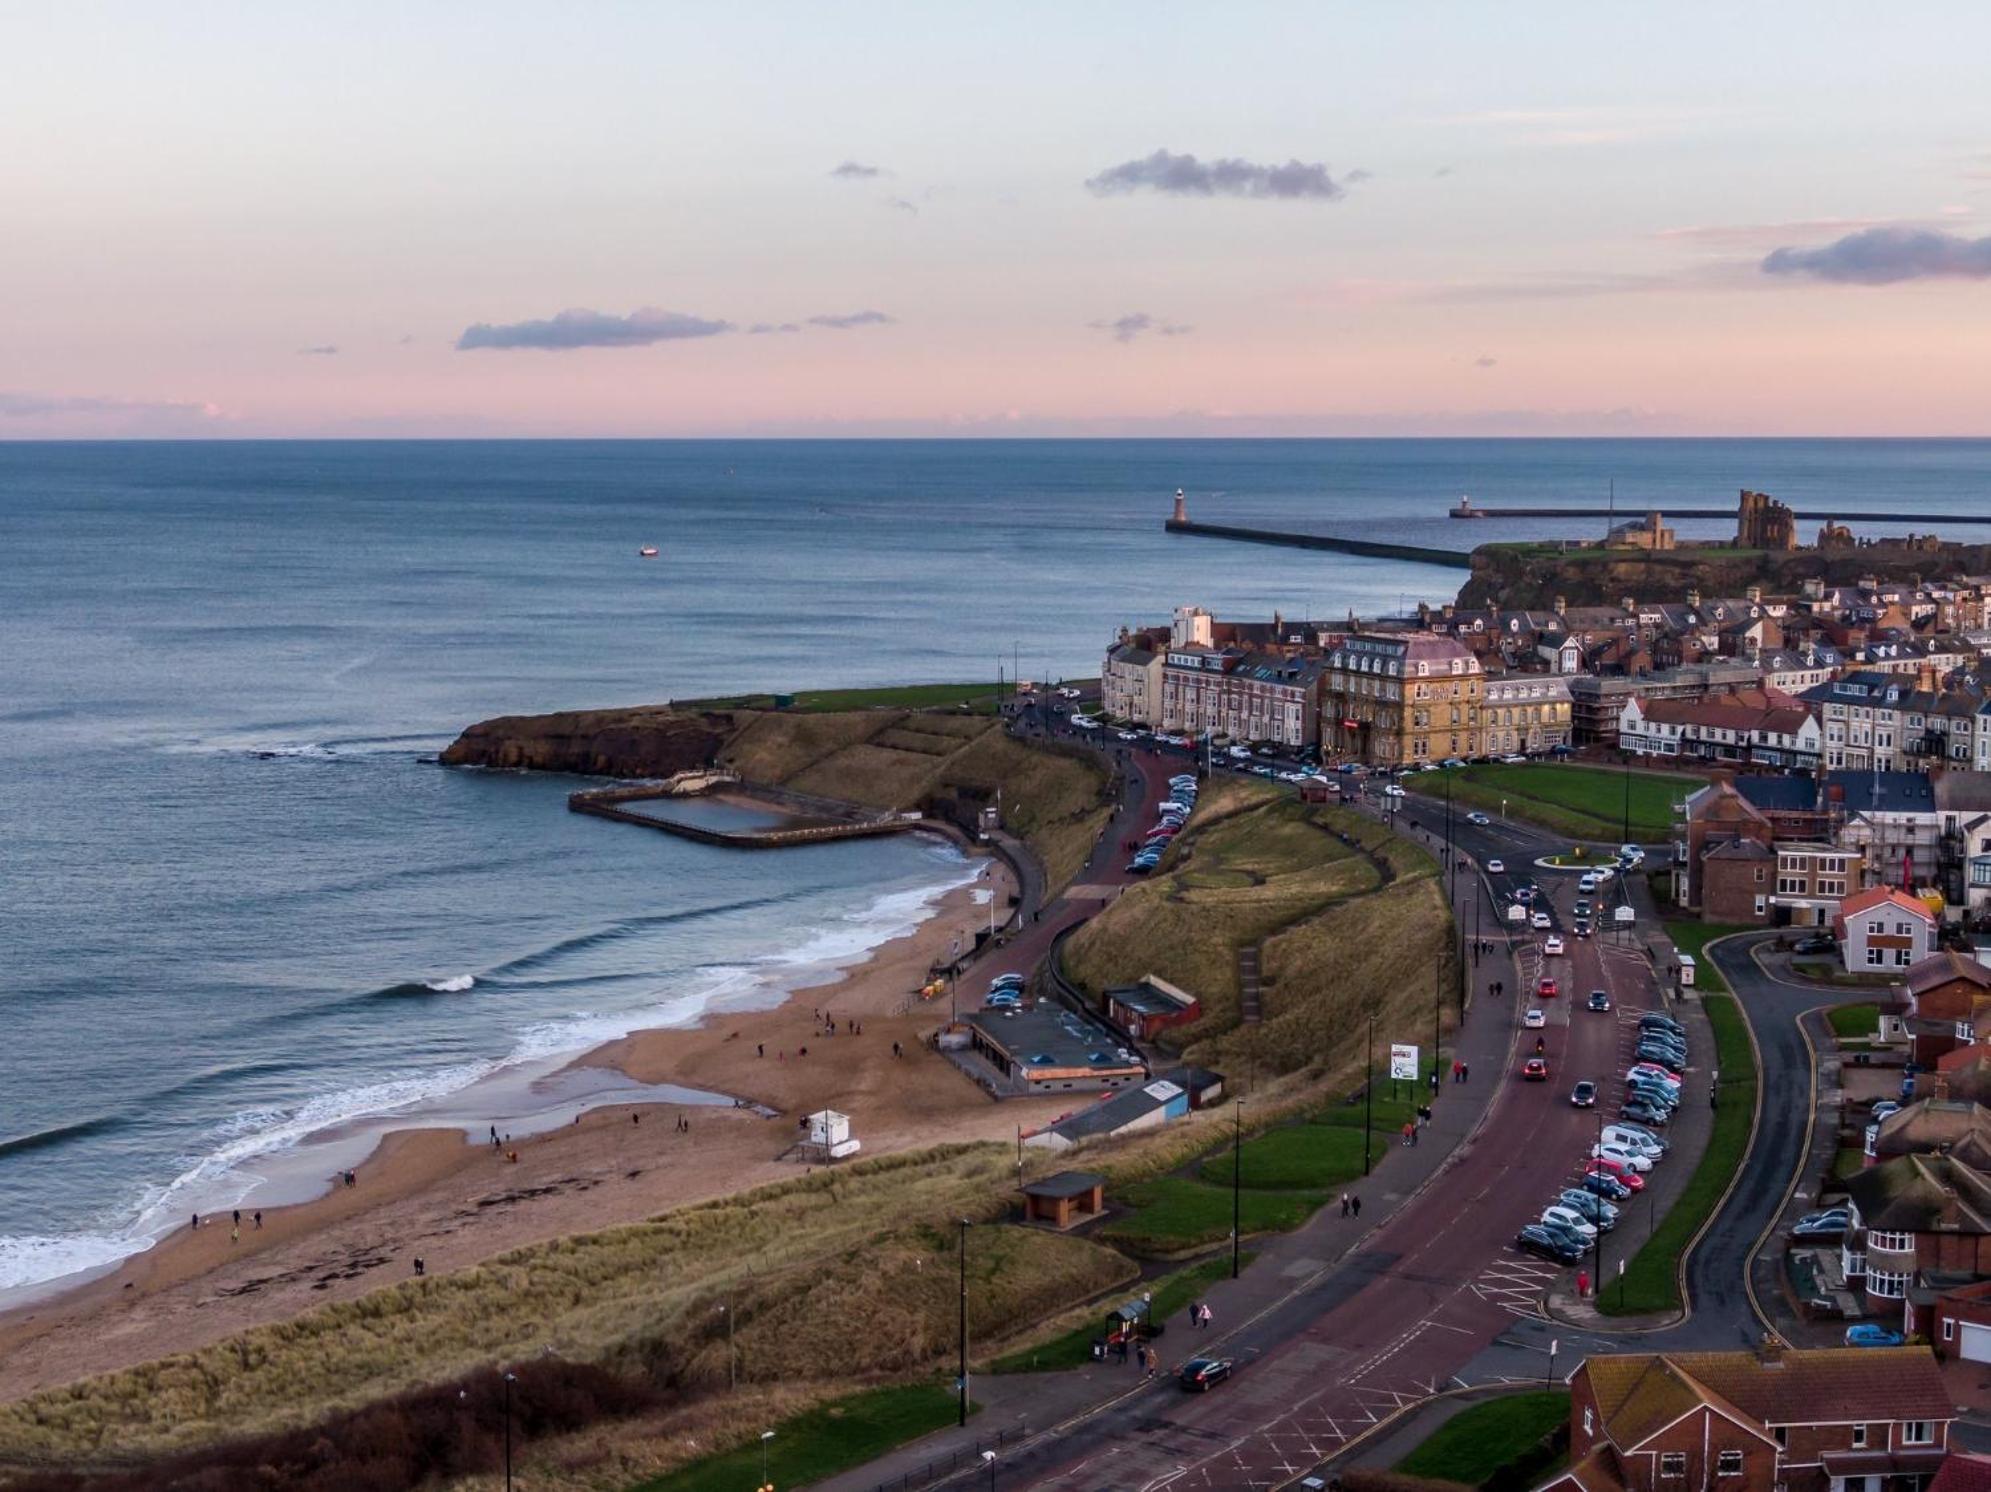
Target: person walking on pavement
1344, 1204
1356, 1204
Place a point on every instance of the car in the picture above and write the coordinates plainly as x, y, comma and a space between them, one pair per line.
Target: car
1625, 1176
1569, 1220
1534, 1070
1638, 1110
1525, 893
1547, 1244
1661, 1020
1665, 1044
1006, 999
1142, 865
1533, 1019
1200, 1374
1653, 1088
1636, 1140
1871, 1334
1581, 927
1620, 1155
1496, 867
1551, 946
1476, 817
1545, 988
1513, 760
1660, 1036
1599, 1001
1587, 883
1590, 1206
1816, 943
1583, 1095
1181, 779
1239, 753
1393, 790
1580, 1242
1540, 922
1581, 909
1831, 1223
1653, 1097
1000, 980
1661, 1057
1631, 852
1603, 1184
1884, 1109
1651, 1073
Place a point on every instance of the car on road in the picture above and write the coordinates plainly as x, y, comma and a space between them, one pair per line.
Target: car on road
1533, 1019
1872, 1334
1583, 1095
1534, 1070
1587, 883
1513, 760
1831, 1223
1525, 892
1392, 790
1540, 922
1128, 735
1625, 1176
1569, 1220
1551, 946
1581, 909
1003, 1000
1481, 819
1589, 1205
1547, 1244
1545, 988
1581, 927
1200, 1374
1496, 867
1599, 1001
1603, 1184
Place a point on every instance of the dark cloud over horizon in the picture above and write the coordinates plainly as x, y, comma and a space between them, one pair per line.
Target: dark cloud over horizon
1185, 176
1127, 328
1886, 256
578, 327
763, 328
856, 171
853, 319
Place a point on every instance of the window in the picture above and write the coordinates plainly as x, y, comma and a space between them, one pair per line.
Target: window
1729, 1463
1916, 1432
1859, 1437
1589, 1420
1673, 1463
1782, 1435
1886, 1284
1891, 1243
1903, 957
1876, 956
1949, 1329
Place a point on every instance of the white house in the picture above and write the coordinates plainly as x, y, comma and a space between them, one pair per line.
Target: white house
1881, 930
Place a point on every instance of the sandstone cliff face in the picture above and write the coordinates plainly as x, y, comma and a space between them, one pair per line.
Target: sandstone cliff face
1525, 576
647, 741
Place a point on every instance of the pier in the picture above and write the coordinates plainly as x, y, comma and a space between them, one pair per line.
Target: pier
1452, 558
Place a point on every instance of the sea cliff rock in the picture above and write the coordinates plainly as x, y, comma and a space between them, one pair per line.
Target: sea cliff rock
645, 741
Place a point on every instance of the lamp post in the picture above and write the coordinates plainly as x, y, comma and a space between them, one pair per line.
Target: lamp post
1368, 1095
1237, 1177
988, 1460
732, 1362
510, 1379
1628, 800
964, 1321
1437, 1014
766, 1482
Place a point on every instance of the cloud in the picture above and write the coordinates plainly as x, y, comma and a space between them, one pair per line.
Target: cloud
1887, 256
763, 328
1186, 176
1483, 361
323, 349
582, 328
87, 414
853, 319
903, 205
1360, 173
1127, 328
856, 171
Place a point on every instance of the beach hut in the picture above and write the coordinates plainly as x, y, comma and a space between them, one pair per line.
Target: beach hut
830, 1137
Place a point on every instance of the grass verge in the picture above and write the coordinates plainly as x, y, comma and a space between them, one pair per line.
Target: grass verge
830, 1438
1692, 938
1073, 1349
1582, 802
1852, 1022
1651, 1282
1476, 1443
1172, 1214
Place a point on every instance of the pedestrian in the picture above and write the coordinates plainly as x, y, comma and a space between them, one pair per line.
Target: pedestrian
1413, 1136
760, 1049
1465, 1071
1582, 1284
259, 1217
1408, 1131
1196, 1313
1154, 1361
421, 1268
238, 1217
635, 1117
234, 1235
1356, 1203
1344, 1204
1206, 1313
196, 1222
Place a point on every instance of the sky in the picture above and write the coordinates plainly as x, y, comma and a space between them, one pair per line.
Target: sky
1464, 218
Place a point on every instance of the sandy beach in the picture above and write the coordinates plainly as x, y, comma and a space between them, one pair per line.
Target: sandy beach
436, 1195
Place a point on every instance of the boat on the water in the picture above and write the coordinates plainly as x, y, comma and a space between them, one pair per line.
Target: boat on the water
648, 551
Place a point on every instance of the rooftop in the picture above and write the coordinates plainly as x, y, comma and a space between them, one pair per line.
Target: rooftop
1047, 1037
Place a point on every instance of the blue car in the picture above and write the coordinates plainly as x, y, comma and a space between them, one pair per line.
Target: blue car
1867, 1334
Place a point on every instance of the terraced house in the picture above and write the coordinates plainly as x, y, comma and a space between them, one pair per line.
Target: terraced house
1819, 1420
1894, 722
1523, 712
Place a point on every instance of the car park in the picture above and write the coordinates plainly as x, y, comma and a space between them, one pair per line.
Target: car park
1476, 817
1641, 1132
1201, 1374
1534, 1070
1569, 1220
1534, 1019
1496, 867
1590, 1206
1634, 1140
1599, 1001
1551, 946
1831, 1223
1583, 1095
1547, 1244
1545, 988
1604, 1184
1618, 1155
1872, 1334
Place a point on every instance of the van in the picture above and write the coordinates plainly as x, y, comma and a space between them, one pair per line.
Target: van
1636, 1141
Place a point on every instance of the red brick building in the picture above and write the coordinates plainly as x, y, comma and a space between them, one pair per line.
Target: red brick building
1948, 1003
1818, 1420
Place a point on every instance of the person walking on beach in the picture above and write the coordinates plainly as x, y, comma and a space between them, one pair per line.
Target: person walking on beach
760, 1049
234, 1235
238, 1218
259, 1217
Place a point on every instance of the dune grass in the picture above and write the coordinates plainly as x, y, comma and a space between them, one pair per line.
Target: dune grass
1488, 1437
1582, 802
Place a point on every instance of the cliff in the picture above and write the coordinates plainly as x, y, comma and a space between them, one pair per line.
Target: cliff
645, 741
1532, 576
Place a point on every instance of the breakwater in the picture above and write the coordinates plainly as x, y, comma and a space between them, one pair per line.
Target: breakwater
1451, 558
1809, 515
816, 820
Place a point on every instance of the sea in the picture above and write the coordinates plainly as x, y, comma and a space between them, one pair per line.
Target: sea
247, 924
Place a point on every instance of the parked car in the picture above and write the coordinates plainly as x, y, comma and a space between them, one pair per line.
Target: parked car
1884, 1109
1604, 1184
1200, 1374
1007, 981
1643, 1133
1661, 1056
1589, 1205
1583, 1095
1831, 1223
1663, 1022
1476, 817
1632, 852
1627, 1178
1871, 1334
1639, 1110
1651, 1096
1496, 867
1545, 988
1654, 1072
1568, 1237
1533, 1019
1535, 1070
1551, 946
1392, 790
1540, 1241
1569, 1221
1619, 1155
1637, 1141
1600, 1000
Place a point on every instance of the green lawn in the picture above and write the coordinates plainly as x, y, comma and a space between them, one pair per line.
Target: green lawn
1173, 1213
832, 1438
1692, 938
1171, 1293
1650, 1282
980, 698
1582, 802
1480, 1441
1848, 1160
1854, 1021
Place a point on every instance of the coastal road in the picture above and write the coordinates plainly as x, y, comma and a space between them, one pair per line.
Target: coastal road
1423, 1295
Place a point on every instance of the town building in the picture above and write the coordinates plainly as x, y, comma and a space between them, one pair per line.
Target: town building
1882, 929
1910, 1218
1771, 1420
1963, 843
1901, 722
1812, 879
1130, 683
1890, 819
1761, 522
1046, 1048
1736, 880
1147, 1008
1735, 728
1714, 816
1965, 1073
1149, 1106
1934, 1126
1523, 713
1596, 700
1063, 1199
1943, 1003
1395, 698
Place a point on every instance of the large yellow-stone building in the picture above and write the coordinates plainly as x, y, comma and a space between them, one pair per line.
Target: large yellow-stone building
1398, 697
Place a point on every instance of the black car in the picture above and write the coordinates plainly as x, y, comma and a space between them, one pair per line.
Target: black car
1653, 1021
1547, 1243
1816, 943
1661, 1042
1600, 1000
1663, 1056
1200, 1373
1581, 927
1584, 1095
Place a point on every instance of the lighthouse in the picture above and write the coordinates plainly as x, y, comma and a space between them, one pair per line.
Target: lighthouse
1181, 508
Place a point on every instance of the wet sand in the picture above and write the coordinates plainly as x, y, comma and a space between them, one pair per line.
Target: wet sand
436, 1195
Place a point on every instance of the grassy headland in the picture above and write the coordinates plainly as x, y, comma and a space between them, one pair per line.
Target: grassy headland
1580, 802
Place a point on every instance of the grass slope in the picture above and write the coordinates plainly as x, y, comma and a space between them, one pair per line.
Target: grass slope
1582, 802
1073, 1348
1854, 1022
1692, 938
979, 698
1479, 1441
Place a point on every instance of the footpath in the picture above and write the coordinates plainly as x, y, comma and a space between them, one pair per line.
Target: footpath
1015, 1407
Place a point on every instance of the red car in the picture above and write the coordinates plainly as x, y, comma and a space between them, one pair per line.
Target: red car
1623, 1175
1534, 1070
1546, 989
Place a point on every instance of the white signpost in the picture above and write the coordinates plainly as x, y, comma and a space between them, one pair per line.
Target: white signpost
1403, 1063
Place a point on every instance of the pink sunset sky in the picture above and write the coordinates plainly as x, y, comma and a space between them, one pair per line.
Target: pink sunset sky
674, 220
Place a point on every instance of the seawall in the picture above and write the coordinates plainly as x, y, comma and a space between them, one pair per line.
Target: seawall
818, 821
1450, 558
1837, 515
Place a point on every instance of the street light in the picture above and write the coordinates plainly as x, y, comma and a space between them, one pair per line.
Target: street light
1237, 1176
1368, 1096
964, 1320
510, 1379
766, 1481
988, 1460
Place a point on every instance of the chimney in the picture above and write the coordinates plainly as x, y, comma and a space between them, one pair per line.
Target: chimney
1770, 1350
1631, 604
1694, 599
1754, 594
1561, 605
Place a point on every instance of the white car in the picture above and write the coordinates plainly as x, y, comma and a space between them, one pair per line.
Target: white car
1496, 867
1534, 1019
1551, 946
1128, 735
1393, 791
1540, 922
1240, 753
1570, 1220
1631, 1160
